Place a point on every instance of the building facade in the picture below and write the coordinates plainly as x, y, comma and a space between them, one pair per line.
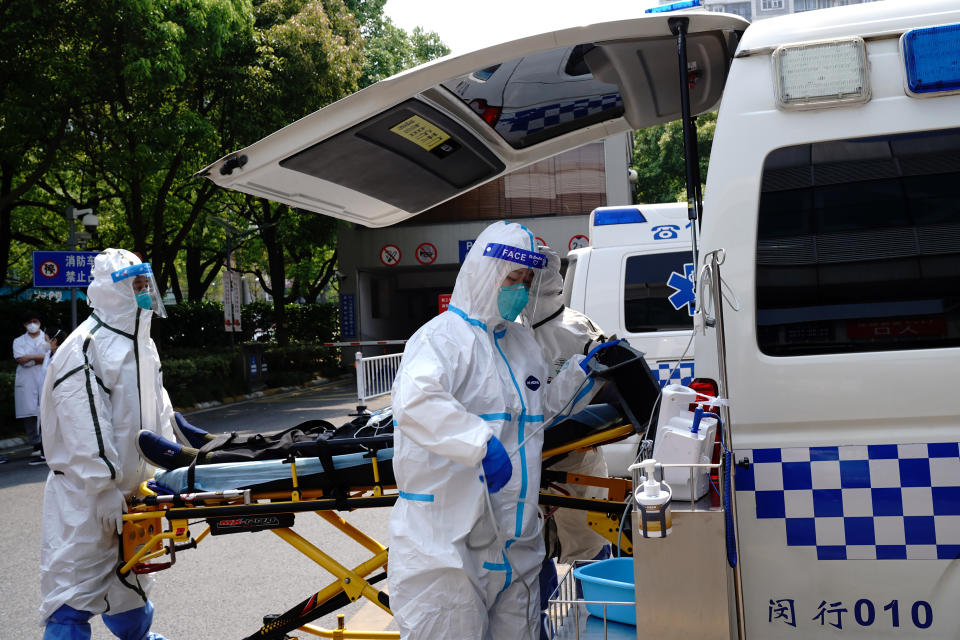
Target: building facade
394, 279
761, 9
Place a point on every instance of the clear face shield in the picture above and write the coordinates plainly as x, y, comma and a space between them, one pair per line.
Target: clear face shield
144, 288
514, 291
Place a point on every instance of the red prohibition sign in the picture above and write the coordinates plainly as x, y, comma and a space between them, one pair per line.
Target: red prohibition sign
49, 269
390, 255
578, 241
426, 253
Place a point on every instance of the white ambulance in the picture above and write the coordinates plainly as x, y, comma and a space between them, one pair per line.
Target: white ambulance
635, 280
828, 287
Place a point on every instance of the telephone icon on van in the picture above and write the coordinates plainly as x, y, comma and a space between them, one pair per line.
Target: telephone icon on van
665, 232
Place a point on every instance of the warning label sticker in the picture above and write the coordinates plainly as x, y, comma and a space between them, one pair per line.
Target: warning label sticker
420, 132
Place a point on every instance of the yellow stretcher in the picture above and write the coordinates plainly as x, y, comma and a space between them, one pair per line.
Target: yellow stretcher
158, 527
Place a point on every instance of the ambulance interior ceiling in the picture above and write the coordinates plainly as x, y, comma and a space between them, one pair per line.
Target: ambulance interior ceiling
627, 84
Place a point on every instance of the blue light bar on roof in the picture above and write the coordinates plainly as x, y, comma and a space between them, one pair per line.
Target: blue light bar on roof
603, 217
932, 59
674, 6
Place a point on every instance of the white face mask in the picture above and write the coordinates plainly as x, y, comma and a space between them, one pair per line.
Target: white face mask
32, 327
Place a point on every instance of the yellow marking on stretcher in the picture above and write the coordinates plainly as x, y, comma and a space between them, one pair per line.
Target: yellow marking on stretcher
377, 491
144, 550
617, 488
608, 526
295, 494
352, 582
355, 534
603, 437
203, 534
342, 633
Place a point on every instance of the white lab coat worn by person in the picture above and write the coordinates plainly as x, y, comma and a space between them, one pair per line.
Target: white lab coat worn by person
103, 386
466, 375
562, 332
29, 377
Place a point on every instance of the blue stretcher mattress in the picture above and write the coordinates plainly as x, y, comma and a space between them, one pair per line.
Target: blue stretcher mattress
262, 474
350, 469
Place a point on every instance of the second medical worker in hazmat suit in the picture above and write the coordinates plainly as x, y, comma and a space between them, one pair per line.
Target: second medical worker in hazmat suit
102, 386
562, 332
469, 401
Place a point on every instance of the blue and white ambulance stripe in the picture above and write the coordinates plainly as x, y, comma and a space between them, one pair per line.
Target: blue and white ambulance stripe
873, 502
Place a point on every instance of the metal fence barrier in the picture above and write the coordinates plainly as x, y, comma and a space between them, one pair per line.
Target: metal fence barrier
375, 377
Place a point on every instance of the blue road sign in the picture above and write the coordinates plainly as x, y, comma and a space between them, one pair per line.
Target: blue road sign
464, 247
63, 268
348, 319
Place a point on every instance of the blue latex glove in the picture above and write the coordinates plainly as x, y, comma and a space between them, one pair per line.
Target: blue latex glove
597, 349
497, 468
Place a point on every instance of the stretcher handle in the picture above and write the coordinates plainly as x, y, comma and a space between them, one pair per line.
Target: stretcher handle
150, 567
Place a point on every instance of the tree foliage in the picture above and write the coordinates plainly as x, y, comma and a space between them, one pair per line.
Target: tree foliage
658, 159
115, 105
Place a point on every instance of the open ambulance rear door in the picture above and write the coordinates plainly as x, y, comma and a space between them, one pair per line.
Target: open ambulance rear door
424, 136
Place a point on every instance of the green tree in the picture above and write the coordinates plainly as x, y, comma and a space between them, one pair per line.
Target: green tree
658, 159
44, 57
308, 55
390, 49
290, 82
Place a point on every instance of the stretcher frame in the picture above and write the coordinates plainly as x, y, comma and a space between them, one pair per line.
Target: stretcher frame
146, 538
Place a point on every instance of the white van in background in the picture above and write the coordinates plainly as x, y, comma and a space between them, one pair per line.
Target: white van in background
635, 281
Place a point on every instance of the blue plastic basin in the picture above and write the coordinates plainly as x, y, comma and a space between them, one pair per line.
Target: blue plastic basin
609, 581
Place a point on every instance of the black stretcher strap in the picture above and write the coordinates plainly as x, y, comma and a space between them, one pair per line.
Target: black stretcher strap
216, 443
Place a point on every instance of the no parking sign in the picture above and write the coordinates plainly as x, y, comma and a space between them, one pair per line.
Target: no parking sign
426, 253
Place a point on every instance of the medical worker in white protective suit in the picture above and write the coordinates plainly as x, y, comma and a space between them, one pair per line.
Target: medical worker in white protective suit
469, 402
102, 386
561, 333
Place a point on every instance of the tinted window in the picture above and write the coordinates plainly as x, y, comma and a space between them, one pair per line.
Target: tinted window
646, 306
538, 97
859, 246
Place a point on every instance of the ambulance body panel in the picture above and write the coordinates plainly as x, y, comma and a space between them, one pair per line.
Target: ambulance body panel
841, 410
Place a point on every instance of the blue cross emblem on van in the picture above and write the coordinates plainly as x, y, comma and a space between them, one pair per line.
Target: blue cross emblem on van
682, 284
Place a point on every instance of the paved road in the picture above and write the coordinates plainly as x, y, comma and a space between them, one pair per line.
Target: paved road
221, 590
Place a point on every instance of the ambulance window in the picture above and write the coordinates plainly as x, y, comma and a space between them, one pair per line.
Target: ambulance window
646, 293
859, 246
539, 97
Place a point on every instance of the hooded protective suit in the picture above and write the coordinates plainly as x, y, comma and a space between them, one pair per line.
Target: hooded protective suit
468, 375
562, 333
102, 386
29, 378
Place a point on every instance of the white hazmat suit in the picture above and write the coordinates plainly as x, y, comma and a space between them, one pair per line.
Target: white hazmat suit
102, 387
29, 377
561, 333
467, 375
